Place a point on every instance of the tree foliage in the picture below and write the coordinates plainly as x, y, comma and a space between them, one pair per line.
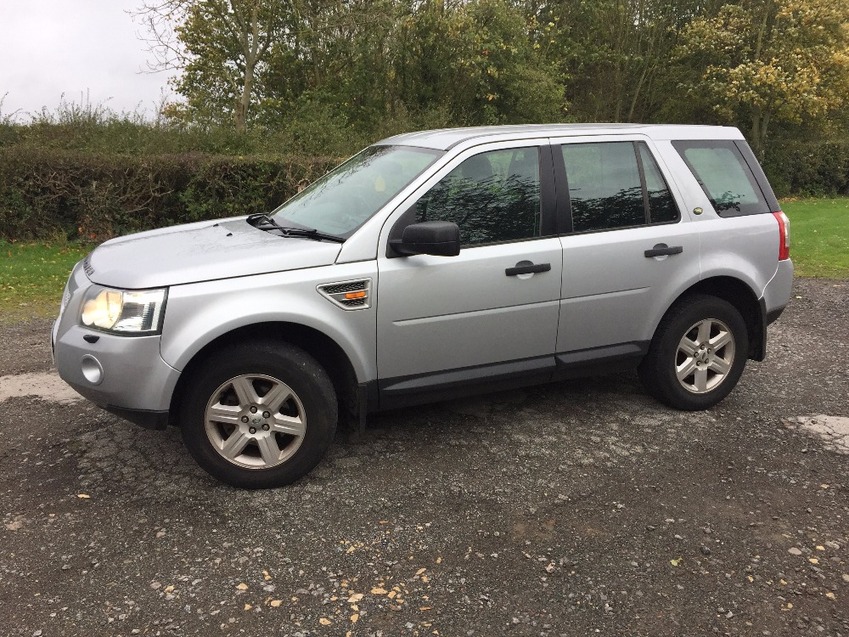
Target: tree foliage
766, 61
336, 72
221, 48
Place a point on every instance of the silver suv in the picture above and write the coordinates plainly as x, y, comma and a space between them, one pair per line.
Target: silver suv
431, 265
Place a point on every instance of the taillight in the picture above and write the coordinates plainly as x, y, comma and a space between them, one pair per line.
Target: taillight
783, 235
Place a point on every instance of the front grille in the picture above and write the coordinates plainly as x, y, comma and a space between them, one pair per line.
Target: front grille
89, 269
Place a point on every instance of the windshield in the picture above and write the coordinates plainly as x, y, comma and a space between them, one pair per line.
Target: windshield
346, 197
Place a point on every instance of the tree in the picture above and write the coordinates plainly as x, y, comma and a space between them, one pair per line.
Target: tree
220, 47
481, 60
613, 52
766, 61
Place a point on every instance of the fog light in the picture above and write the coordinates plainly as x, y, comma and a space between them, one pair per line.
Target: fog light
92, 370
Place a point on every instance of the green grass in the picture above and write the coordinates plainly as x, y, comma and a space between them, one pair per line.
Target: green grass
32, 277
819, 236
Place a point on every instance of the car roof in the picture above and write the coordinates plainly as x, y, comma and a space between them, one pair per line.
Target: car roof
447, 138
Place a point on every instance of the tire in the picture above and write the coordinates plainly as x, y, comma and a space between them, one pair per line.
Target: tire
259, 415
697, 354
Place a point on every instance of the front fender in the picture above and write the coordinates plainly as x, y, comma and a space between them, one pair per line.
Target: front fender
196, 314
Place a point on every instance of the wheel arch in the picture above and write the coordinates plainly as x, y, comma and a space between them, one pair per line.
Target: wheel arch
743, 298
327, 352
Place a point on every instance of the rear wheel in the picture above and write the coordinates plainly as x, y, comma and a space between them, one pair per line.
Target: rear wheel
259, 415
697, 354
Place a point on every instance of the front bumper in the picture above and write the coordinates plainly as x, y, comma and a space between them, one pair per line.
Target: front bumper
123, 374
120, 373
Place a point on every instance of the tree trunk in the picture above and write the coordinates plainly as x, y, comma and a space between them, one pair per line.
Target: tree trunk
250, 48
757, 133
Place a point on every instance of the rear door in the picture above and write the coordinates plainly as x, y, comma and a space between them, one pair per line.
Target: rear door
627, 251
491, 312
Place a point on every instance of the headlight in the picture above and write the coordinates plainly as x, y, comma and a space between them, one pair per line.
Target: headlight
124, 311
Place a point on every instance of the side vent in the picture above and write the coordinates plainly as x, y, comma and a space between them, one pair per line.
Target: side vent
349, 295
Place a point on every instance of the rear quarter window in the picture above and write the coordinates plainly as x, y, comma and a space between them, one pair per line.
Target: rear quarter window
725, 176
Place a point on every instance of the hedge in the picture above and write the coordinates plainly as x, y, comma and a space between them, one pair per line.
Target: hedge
50, 193
817, 168
46, 193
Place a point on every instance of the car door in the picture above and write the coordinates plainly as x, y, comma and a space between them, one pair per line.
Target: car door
627, 253
490, 313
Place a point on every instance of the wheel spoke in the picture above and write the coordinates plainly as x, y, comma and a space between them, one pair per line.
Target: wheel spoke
720, 366
700, 379
685, 370
292, 425
721, 340
276, 397
245, 391
223, 413
688, 347
704, 332
269, 450
234, 445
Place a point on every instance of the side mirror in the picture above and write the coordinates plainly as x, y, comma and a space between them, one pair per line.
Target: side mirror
439, 238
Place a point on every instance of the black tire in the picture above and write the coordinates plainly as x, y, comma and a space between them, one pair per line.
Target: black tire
259, 414
718, 332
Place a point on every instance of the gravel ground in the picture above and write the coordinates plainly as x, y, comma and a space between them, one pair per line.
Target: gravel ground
572, 509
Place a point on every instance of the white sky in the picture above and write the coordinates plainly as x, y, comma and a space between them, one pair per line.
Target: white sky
88, 50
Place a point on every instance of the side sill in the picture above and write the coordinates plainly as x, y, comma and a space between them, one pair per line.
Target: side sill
394, 393
143, 418
598, 361
437, 386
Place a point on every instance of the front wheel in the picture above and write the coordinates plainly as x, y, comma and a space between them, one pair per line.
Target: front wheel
697, 354
259, 415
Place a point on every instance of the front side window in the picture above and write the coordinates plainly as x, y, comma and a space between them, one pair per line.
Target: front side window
724, 176
615, 185
346, 197
493, 197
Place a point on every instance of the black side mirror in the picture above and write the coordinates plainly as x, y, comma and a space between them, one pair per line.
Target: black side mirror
439, 238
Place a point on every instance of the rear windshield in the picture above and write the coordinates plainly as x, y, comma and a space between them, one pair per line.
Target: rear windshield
725, 176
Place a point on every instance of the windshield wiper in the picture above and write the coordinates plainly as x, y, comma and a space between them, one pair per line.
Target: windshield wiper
263, 221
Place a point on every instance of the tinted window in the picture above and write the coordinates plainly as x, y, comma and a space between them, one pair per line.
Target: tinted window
662, 207
616, 185
724, 176
604, 186
492, 197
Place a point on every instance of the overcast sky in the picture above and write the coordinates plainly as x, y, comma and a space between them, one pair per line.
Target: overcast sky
88, 50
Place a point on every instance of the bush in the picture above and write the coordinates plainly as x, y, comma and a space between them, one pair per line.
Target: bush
815, 168
48, 192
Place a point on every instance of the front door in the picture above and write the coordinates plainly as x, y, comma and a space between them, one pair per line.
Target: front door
489, 313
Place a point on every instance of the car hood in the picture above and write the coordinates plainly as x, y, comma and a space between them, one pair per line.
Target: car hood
202, 251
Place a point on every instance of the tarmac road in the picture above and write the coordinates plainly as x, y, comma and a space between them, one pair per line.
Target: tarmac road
573, 509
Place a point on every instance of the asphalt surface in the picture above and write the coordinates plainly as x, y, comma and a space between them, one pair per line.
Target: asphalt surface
573, 509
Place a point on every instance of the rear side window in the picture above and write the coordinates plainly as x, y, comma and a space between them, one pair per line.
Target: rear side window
615, 185
724, 175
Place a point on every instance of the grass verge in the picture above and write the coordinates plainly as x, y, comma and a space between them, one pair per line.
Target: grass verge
32, 277
819, 236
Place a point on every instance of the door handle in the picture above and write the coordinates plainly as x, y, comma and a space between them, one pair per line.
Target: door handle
662, 250
527, 267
